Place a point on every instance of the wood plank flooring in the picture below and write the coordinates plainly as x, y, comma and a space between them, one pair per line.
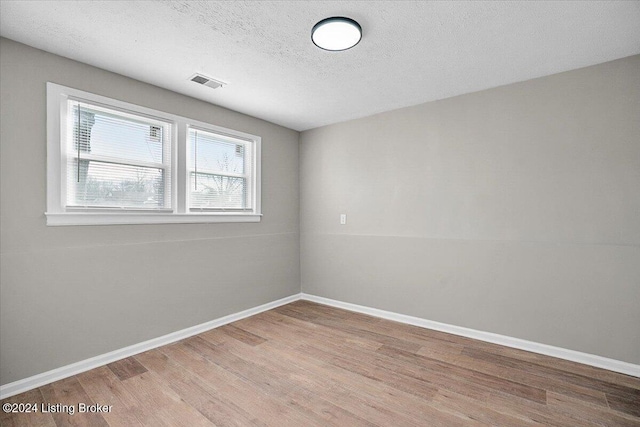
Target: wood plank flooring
305, 364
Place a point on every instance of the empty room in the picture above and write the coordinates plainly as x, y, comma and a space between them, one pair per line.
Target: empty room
319, 213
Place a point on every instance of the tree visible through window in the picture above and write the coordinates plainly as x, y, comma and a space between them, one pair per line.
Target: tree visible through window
217, 172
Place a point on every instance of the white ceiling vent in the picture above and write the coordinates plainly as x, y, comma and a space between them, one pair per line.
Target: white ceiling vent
207, 81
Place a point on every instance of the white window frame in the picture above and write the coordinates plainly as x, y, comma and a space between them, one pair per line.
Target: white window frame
58, 214
66, 154
250, 154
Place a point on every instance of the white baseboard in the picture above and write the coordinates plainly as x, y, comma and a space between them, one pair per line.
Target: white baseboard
549, 350
30, 383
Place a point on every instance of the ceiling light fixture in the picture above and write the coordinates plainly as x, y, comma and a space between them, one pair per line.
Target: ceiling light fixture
336, 33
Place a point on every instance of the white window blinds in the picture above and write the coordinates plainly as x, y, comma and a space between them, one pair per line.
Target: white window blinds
220, 168
116, 159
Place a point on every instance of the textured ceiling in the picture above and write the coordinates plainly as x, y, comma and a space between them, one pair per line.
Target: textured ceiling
411, 52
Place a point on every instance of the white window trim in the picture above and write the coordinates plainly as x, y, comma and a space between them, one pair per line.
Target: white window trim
167, 163
223, 135
59, 215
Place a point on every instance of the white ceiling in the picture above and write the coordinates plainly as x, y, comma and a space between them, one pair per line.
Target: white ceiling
411, 52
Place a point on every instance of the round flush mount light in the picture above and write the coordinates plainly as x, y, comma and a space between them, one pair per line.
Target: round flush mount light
336, 33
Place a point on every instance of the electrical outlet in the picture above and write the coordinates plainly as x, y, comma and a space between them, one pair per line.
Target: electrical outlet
343, 219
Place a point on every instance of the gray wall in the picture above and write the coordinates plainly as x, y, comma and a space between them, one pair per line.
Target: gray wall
514, 210
70, 293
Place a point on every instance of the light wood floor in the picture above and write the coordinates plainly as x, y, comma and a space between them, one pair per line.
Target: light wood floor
306, 364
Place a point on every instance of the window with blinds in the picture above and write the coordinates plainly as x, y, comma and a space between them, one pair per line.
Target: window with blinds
113, 162
219, 172
116, 159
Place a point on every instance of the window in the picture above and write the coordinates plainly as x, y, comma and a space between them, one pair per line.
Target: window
115, 159
111, 162
219, 172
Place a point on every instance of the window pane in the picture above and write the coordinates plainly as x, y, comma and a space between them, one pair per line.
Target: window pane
111, 158
210, 191
114, 185
113, 134
210, 153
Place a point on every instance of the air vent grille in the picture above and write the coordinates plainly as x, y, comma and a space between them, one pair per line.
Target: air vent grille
207, 81
199, 79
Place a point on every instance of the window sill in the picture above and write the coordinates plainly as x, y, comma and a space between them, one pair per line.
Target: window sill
125, 218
